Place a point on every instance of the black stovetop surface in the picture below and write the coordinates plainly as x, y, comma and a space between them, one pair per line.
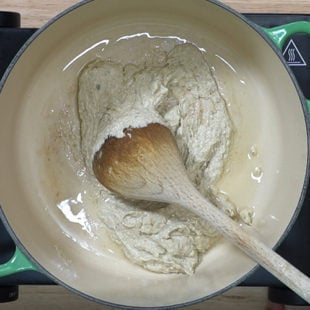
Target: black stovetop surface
296, 246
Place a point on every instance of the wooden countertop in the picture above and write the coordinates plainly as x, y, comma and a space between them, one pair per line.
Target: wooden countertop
35, 13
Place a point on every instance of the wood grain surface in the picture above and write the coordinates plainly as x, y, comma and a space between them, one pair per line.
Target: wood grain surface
35, 13
58, 298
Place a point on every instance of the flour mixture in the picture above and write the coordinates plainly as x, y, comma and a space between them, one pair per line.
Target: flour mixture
180, 92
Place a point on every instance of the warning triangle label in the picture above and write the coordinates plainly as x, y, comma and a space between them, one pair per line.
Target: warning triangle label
293, 56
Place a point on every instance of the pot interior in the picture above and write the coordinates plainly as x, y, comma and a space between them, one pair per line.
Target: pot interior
36, 174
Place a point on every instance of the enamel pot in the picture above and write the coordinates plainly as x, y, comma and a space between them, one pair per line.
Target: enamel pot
269, 114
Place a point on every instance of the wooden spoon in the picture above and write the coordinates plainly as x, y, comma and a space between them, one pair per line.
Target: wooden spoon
146, 164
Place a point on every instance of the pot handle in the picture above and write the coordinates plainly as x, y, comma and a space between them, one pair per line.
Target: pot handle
280, 34
18, 263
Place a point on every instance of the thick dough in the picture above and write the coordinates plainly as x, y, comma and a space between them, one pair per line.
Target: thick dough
181, 93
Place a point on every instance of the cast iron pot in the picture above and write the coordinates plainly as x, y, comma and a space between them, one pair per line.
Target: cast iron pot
267, 108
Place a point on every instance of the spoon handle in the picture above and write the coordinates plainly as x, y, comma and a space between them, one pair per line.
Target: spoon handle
146, 165
257, 250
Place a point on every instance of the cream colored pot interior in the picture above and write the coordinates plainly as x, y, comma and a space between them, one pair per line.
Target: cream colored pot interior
35, 174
